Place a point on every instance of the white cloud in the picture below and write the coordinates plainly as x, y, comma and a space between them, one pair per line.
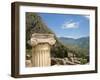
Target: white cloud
70, 24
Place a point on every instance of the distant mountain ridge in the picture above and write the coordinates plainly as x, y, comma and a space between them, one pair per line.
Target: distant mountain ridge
82, 42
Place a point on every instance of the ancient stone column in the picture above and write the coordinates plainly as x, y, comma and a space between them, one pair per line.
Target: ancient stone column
41, 44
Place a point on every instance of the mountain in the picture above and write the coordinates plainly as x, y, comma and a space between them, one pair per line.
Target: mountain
82, 42
78, 46
35, 24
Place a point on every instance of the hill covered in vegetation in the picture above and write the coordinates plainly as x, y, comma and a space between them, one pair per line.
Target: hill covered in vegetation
78, 46
35, 24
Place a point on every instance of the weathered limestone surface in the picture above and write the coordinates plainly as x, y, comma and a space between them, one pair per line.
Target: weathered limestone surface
41, 44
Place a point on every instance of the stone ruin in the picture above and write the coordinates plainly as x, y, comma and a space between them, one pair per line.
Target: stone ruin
41, 44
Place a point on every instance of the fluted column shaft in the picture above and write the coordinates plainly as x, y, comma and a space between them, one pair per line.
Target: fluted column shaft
41, 49
41, 55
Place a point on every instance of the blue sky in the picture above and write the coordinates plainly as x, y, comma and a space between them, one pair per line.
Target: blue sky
67, 25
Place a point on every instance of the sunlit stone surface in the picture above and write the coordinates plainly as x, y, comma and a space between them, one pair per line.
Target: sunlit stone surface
41, 44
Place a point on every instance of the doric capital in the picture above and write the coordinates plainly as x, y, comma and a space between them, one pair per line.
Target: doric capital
42, 38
